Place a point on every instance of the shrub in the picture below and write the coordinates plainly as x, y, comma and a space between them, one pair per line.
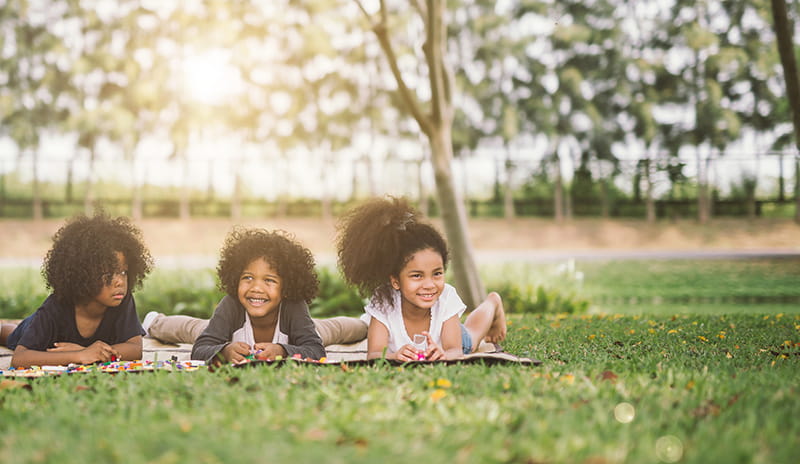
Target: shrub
335, 297
529, 299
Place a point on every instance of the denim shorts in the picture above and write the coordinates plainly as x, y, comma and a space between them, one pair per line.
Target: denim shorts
466, 340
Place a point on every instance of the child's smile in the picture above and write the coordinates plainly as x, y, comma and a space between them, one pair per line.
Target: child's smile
421, 280
259, 289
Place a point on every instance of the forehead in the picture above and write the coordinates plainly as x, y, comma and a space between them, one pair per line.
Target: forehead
424, 259
260, 266
121, 261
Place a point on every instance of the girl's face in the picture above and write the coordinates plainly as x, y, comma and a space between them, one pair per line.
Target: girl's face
260, 288
115, 286
421, 280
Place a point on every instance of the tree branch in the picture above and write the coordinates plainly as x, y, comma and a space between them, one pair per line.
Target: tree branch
382, 33
434, 47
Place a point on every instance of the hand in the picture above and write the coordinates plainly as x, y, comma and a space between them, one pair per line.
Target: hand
235, 352
66, 346
407, 353
269, 351
434, 352
96, 352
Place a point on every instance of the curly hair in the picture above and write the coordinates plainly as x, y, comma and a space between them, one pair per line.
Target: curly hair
293, 262
83, 256
376, 239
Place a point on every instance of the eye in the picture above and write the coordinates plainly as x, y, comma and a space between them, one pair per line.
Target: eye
247, 277
438, 273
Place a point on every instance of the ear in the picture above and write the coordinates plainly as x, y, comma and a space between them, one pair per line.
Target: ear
395, 282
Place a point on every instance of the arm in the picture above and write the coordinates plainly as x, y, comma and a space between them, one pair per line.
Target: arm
219, 331
378, 341
451, 339
61, 356
303, 337
130, 349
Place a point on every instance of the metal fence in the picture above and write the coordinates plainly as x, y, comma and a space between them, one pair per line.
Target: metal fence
299, 185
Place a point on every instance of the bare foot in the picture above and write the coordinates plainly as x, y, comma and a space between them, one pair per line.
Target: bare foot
497, 332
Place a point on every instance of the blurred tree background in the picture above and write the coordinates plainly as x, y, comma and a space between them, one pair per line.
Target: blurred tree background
609, 108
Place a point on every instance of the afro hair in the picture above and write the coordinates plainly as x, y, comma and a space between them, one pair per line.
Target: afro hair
291, 260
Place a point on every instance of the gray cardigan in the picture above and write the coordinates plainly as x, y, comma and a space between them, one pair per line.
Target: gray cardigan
295, 322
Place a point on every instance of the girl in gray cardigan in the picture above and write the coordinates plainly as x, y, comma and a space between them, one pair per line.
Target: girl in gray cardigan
269, 279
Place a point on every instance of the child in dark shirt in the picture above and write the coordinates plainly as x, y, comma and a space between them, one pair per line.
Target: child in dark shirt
269, 279
92, 267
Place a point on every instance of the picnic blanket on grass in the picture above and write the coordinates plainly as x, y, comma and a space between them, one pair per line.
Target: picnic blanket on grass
164, 356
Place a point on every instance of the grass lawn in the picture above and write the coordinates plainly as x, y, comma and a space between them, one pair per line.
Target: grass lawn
611, 389
682, 362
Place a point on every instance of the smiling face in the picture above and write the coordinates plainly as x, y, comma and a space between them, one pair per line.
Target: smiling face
260, 289
421, 280
115, 286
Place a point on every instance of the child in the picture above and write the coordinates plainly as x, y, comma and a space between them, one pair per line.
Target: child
269, 278
387, 251
90, 316
187, 329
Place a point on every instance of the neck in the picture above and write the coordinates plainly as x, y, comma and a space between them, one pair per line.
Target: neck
415, 313
91, 309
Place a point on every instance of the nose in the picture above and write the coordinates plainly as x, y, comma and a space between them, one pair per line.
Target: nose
119, 279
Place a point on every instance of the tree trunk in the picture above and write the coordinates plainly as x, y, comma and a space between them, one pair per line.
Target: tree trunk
605, 202
236, 198
508, 193
436, 122
326, 203
184, 207
454, 218
38, 210
702, 191
783, 34
649, 200
558, 195
797, 190
88, 199
422, 195
68, 187
781, 182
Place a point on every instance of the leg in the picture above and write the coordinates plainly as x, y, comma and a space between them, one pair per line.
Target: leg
487, 322
5, 330
341, 330
176, 329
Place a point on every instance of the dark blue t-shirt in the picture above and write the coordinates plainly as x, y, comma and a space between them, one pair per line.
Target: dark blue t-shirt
55, 322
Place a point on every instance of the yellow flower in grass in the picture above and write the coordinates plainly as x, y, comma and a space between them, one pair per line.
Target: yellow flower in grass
438, 394
702, 338
672, 331
443, 383
591, 337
